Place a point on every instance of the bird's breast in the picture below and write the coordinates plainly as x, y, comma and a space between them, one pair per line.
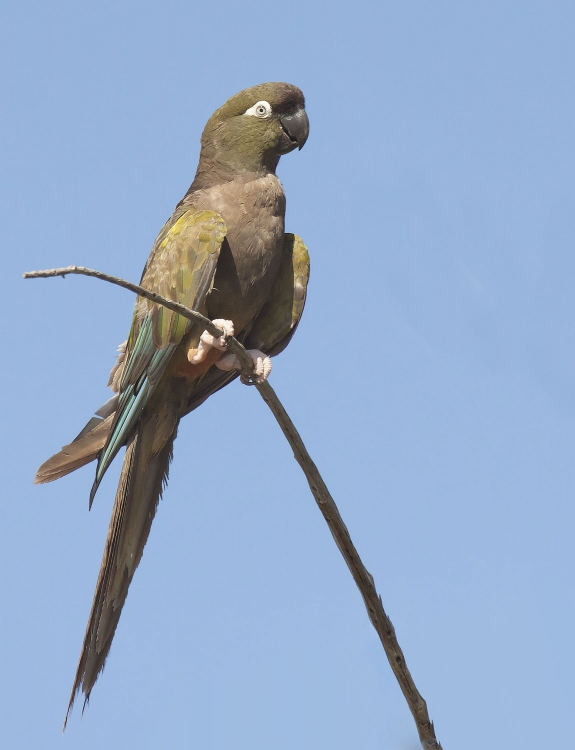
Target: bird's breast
253, 210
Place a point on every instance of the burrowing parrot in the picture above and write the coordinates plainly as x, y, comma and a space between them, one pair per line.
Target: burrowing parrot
224, 253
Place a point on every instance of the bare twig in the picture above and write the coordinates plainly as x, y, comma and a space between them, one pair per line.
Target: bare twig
233, 344
139, 290
363, 579
324, 500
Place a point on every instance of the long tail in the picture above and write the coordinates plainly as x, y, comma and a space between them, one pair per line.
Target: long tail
144, 475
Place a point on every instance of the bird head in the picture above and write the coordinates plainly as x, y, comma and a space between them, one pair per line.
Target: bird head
254, 128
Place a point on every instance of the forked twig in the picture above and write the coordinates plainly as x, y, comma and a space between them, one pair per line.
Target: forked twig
324, 500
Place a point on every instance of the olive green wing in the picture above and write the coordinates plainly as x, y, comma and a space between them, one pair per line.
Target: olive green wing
181, 267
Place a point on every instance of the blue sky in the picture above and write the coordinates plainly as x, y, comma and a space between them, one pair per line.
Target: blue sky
431, 377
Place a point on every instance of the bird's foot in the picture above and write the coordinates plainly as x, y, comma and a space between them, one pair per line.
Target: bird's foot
262, 366
207, 341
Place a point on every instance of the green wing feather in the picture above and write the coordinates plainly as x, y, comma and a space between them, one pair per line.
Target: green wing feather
181, 267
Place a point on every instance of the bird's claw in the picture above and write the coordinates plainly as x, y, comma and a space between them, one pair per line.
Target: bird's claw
262, 366
207, 341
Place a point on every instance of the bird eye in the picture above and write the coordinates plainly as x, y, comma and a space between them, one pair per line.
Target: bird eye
260, 109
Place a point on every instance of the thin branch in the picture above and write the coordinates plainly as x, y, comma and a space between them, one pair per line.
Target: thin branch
233, 344
363, 579
139, 290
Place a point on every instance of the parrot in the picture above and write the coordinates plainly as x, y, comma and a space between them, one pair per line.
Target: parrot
223, 252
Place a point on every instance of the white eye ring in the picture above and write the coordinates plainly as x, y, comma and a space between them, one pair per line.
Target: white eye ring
260, 109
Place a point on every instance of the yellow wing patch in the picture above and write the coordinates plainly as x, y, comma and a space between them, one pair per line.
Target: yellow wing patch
300, 261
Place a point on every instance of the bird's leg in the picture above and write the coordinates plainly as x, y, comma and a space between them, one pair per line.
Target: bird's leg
262, 365
207, 341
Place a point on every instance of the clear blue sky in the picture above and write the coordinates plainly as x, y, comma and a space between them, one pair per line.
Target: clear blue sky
432, 378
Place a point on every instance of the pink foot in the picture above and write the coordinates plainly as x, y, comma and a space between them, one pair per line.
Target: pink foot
207, 341
262, 364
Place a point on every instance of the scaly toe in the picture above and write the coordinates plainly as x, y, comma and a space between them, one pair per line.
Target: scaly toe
262, 365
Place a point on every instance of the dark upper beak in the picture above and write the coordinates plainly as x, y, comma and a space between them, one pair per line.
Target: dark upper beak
296, 126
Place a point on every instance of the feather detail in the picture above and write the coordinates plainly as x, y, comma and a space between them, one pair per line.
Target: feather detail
78, 453
118, 369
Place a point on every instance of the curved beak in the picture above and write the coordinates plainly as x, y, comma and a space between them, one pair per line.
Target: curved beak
296, 127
